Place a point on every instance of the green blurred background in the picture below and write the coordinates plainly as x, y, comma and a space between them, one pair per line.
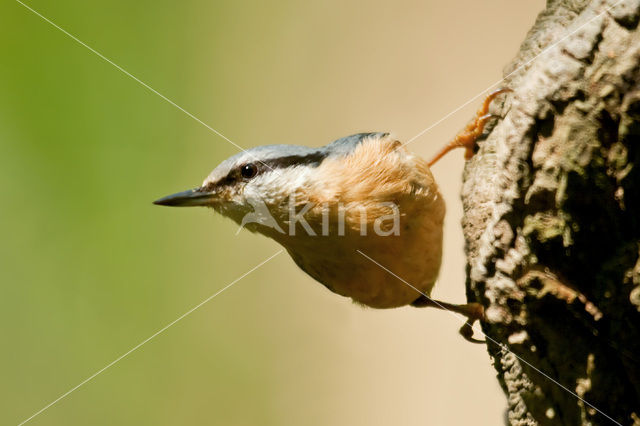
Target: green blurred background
90, 268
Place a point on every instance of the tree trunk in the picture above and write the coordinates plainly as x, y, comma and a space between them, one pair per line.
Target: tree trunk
552, 220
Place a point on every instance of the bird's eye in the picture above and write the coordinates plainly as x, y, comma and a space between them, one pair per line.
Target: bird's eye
249, 170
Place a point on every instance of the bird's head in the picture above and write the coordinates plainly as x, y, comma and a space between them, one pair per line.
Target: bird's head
254, 187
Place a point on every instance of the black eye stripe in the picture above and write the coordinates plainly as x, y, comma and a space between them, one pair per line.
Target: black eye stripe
312, 160
262, 166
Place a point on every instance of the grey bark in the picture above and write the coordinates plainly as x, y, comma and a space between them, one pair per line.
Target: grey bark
552, 220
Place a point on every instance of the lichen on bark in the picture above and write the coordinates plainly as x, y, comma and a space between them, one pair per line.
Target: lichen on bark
552, 220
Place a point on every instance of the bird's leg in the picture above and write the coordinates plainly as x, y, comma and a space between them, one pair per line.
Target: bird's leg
467, 137
473, 312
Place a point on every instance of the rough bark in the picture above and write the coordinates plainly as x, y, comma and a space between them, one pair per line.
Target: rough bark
552, 220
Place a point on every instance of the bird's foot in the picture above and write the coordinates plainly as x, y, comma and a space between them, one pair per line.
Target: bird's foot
466, 331
467, 137
472, 311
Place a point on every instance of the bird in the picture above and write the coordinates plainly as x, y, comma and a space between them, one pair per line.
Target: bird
362, 215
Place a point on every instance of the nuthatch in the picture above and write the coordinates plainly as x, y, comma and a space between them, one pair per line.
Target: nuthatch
364, 194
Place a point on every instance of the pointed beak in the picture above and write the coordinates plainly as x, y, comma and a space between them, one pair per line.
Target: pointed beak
190, 198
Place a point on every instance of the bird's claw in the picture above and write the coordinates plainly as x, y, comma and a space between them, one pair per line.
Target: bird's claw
474, 312
466, 331
467, 137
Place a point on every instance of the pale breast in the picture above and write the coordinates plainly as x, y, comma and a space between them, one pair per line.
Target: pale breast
345, 265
